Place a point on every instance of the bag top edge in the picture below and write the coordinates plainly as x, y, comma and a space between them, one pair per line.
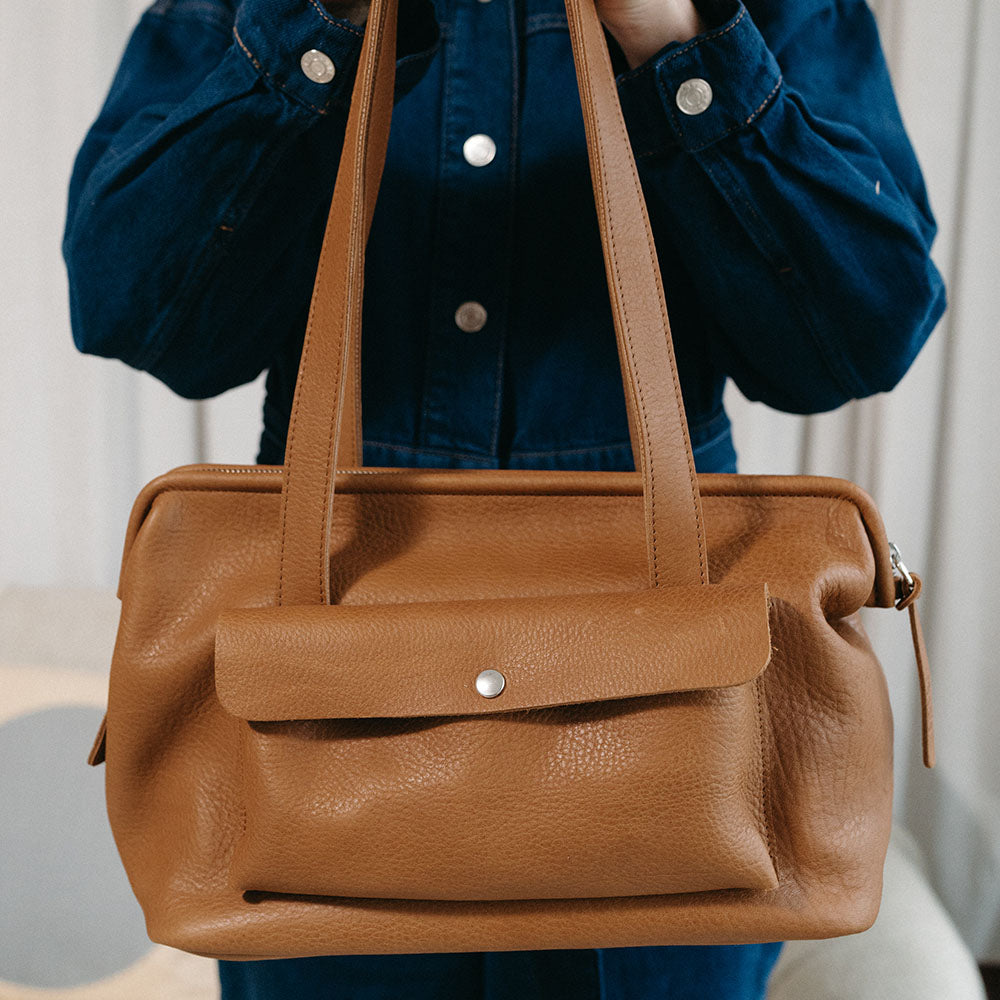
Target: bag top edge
525, 482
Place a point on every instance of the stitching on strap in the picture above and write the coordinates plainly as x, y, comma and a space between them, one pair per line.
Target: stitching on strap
670, 359
310, 326
370, 68
634, 380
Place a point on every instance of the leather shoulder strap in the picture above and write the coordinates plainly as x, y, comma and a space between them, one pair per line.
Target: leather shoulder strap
333, 329
675, 536
325, 425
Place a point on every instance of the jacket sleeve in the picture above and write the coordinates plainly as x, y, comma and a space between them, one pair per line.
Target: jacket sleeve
196, 208
795, 199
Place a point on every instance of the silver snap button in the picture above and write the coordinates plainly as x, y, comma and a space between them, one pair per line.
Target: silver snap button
318, 66
490, 683
694, 96
470, 317
479, 149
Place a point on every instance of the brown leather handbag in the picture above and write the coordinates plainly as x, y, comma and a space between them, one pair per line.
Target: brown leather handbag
384, 710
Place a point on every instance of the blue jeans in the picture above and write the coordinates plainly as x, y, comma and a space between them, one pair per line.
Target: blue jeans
679, 973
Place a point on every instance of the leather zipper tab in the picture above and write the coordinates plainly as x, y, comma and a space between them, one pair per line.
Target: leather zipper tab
909, 592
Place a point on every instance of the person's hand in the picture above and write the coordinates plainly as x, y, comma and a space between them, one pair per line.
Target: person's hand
643, 27
351, 10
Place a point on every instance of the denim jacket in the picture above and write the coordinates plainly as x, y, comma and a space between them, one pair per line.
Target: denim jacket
790, 217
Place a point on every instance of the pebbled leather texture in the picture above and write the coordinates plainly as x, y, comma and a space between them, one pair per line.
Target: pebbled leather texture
429, 799
754, 806
349, 662
694, 745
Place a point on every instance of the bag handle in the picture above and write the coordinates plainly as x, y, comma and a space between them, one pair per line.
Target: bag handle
325, 426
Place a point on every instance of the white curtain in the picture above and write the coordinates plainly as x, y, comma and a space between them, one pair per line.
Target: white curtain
81, 435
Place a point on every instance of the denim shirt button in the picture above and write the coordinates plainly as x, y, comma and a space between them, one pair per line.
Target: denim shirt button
318, 66
479, 150
694, 96
470, 317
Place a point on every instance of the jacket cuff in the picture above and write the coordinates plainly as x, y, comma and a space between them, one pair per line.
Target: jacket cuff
735, 62
274, 35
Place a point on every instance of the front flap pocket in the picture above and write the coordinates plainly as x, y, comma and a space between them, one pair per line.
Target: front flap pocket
425, 659
622, 755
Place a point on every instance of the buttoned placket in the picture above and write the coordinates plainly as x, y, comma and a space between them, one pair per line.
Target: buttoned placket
469, 304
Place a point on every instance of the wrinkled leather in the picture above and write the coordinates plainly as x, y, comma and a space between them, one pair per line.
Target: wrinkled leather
246, 839
694, 745
347, 661
427, 802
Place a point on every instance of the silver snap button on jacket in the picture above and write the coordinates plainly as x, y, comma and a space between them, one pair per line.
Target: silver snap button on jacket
694, 96
479, 149
470, 317
490, 683
318, 66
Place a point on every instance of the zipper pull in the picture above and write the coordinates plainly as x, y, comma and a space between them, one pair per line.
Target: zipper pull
908, 587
